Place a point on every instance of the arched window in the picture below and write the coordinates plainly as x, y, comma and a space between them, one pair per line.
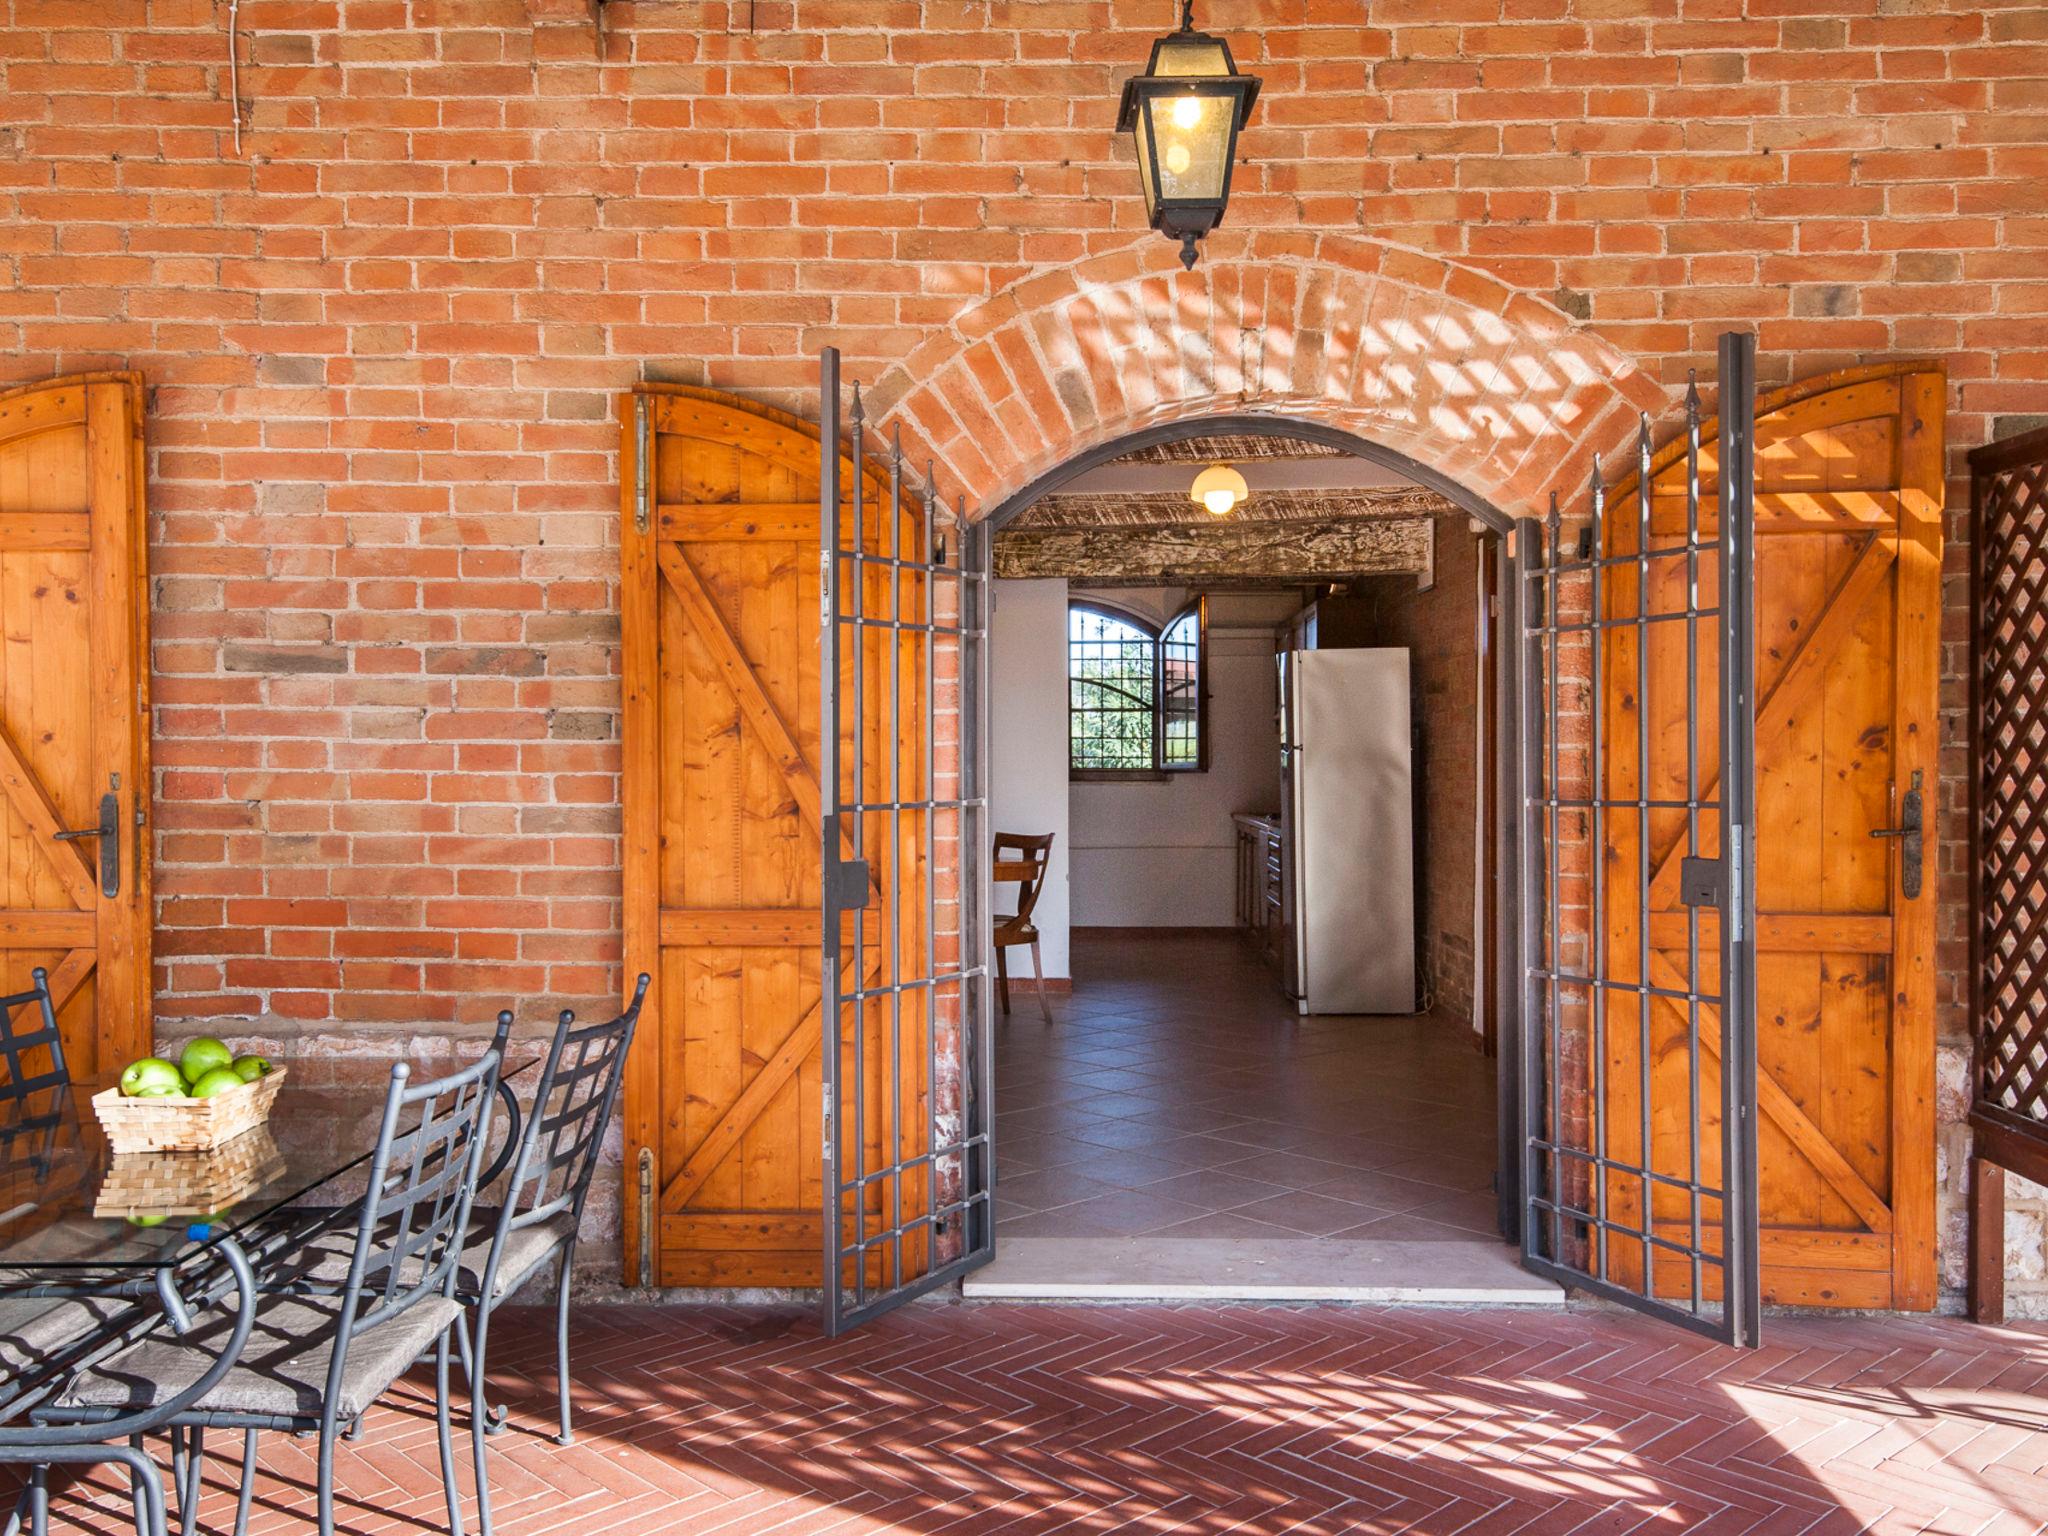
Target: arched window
1135, 693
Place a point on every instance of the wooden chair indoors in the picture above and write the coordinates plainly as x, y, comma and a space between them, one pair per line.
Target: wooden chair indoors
1021, 860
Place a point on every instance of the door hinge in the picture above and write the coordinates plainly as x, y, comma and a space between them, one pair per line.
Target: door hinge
642, 452
647, 1275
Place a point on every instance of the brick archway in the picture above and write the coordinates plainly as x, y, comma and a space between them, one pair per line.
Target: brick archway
1491, 387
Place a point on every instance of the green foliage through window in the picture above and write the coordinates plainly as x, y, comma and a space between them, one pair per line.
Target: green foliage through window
1135, 694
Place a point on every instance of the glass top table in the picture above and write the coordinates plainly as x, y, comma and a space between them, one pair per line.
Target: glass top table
71, 1210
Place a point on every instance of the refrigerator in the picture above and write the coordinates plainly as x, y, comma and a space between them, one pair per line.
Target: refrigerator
1348, 830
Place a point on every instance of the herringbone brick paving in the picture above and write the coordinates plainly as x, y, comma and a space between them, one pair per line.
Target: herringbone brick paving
1258, 1420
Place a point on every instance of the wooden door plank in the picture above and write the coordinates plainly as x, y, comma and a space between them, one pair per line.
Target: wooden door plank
755, 927
640, 805
760, 1091
1785, 1113
124, 1026
794, 522
70, 976
1795, 685
1809, 932
708, 624
45, 530
45, 930
1916, 688
32, 802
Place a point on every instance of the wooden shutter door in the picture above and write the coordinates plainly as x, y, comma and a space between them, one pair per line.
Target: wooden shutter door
74, 710
720, 602
1848, 561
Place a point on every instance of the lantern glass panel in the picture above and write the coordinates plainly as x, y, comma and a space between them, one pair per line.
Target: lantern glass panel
1151, 184
1191, 55
1192, 134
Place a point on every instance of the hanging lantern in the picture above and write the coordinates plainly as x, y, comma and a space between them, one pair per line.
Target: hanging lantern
1186, 110
1219, 488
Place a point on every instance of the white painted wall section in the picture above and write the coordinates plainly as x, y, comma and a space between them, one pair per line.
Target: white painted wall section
1028, 745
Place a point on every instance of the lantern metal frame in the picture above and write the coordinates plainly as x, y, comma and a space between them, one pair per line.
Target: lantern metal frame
1186, 219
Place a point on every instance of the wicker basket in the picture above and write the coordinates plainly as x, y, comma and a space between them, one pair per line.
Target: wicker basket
179, 1124
164, 1184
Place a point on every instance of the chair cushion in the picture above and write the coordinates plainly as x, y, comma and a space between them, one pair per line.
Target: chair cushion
35, 1331
323, 1261
282, 1370
526, 1249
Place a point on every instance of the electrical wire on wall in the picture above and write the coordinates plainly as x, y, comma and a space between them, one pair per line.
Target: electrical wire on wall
234, 71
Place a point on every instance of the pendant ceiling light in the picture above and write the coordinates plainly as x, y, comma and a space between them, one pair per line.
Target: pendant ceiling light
1219, 488
1186, 110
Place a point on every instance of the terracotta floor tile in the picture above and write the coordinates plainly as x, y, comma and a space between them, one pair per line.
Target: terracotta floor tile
1214, 1189
1303, 1211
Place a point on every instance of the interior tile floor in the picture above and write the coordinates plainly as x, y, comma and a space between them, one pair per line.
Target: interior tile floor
1177, 1094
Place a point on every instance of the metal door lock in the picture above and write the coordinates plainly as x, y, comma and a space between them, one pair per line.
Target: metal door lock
109, 834
1912, 839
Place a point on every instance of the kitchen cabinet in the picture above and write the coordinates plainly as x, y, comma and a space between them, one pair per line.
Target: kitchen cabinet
1262, 889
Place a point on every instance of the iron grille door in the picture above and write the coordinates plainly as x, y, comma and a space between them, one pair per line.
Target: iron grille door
908, 1120
1638, 1016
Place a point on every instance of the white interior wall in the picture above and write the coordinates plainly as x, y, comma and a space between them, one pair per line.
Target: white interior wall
1163, 855
1028, 744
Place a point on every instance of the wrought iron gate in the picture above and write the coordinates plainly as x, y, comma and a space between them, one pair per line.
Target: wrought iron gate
1638, 1025
908, 1123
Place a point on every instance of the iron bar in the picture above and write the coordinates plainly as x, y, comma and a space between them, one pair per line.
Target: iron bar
858, 750
1692, 816
1553, 543
1600, 960
830, 1060
893, 742
1744, 1285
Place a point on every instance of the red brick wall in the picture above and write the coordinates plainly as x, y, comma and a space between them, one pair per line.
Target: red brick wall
1439, 626
381, 341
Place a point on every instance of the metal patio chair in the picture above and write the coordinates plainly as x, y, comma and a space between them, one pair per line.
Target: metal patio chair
539, 1212
16, 1043
315, 1363
543, 1202
62, 1338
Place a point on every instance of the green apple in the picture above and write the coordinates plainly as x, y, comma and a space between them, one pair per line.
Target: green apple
219, 1080
150, 1078
147, 1221
249, 1068
202, 1056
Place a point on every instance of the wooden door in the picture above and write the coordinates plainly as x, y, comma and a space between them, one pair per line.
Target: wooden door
720, 603
1848, 561
74, 710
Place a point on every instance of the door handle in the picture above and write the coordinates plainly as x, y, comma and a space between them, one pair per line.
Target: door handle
109, 834
1912, 840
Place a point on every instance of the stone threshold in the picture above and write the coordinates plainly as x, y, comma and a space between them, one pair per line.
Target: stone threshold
1482, 1272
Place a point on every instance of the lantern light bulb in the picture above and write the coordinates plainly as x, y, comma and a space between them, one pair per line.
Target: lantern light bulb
1187, 112
1219, 502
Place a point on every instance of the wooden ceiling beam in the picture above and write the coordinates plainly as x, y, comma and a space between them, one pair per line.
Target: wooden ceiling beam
1219, 553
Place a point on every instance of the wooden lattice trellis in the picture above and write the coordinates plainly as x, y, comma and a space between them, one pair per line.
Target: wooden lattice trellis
2009, 842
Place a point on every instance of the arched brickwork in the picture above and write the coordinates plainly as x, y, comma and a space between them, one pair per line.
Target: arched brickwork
1492, 387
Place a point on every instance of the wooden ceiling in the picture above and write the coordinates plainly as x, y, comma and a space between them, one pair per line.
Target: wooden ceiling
1275, 539
1150, 509
1230, 448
